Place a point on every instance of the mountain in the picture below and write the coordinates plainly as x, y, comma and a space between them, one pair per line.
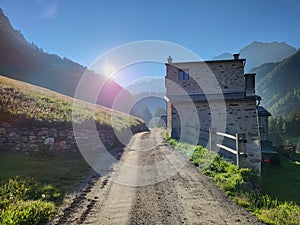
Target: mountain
154, 85
263, 69
258, 53
223, 56
279, 87
25, 61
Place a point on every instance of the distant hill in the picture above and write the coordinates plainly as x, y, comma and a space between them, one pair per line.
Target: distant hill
258, 53
223, 56
279, 85
22, 60
154, 85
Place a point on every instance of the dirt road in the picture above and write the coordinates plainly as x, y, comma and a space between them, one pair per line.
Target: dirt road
152, 184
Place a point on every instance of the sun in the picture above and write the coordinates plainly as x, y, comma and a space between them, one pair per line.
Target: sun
107, 70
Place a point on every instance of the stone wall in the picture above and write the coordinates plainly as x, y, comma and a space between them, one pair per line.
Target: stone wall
54, 139
241, 117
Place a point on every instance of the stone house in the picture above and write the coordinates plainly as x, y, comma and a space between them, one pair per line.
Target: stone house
206, 94
266, 144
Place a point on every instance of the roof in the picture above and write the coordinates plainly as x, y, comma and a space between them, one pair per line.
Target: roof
201, 97
266, 147
263, 112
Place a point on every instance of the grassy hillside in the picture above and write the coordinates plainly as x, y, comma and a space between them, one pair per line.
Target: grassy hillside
24, 102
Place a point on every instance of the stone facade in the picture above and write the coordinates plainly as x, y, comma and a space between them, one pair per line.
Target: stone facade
214, 91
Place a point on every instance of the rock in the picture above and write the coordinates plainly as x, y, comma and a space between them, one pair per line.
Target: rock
27, 133
49, 141
53, 132
2, 130
3, 140
67, 147
32, 137
62, 144
33, 147
43, 132
12, 134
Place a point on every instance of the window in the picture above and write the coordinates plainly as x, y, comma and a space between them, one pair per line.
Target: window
183, 75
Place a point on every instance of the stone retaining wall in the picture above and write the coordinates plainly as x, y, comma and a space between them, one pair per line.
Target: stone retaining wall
53, 139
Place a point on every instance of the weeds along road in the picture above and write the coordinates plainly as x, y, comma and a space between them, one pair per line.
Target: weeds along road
158, 187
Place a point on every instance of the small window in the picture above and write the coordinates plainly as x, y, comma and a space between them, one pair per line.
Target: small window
183, 75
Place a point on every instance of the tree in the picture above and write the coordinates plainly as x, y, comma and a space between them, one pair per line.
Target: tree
146, 114
159, 112
275, 131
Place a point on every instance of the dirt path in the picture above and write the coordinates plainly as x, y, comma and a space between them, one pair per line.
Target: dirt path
152, 184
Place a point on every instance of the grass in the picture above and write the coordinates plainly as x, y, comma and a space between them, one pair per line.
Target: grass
32, 186
282, 181
243, 186
62, 171
33, 104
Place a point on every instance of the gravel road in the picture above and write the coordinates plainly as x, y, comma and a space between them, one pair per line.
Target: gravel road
151, 184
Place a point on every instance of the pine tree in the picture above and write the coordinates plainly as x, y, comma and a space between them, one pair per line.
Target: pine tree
146, 114
159, 112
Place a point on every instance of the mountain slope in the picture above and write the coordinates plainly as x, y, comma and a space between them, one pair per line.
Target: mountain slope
263, 69
25, 61
280, 87
25, 103
258, 53
154, 85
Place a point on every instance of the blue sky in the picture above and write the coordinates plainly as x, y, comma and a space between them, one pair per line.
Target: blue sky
84, 30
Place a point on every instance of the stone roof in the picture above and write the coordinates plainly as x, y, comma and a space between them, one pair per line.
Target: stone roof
200, 97
263, 112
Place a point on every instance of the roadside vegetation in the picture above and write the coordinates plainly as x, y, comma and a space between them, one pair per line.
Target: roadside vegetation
242, 185
33, 186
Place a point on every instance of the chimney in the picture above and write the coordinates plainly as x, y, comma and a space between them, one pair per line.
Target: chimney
250, 84
236, 56
170, 60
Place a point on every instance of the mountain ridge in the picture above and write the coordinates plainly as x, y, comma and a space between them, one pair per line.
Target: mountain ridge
258, 53
25, 61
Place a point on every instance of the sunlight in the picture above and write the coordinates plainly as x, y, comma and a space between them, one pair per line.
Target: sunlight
108, 70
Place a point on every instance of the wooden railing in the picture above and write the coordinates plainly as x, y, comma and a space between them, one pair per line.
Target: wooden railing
240, 143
